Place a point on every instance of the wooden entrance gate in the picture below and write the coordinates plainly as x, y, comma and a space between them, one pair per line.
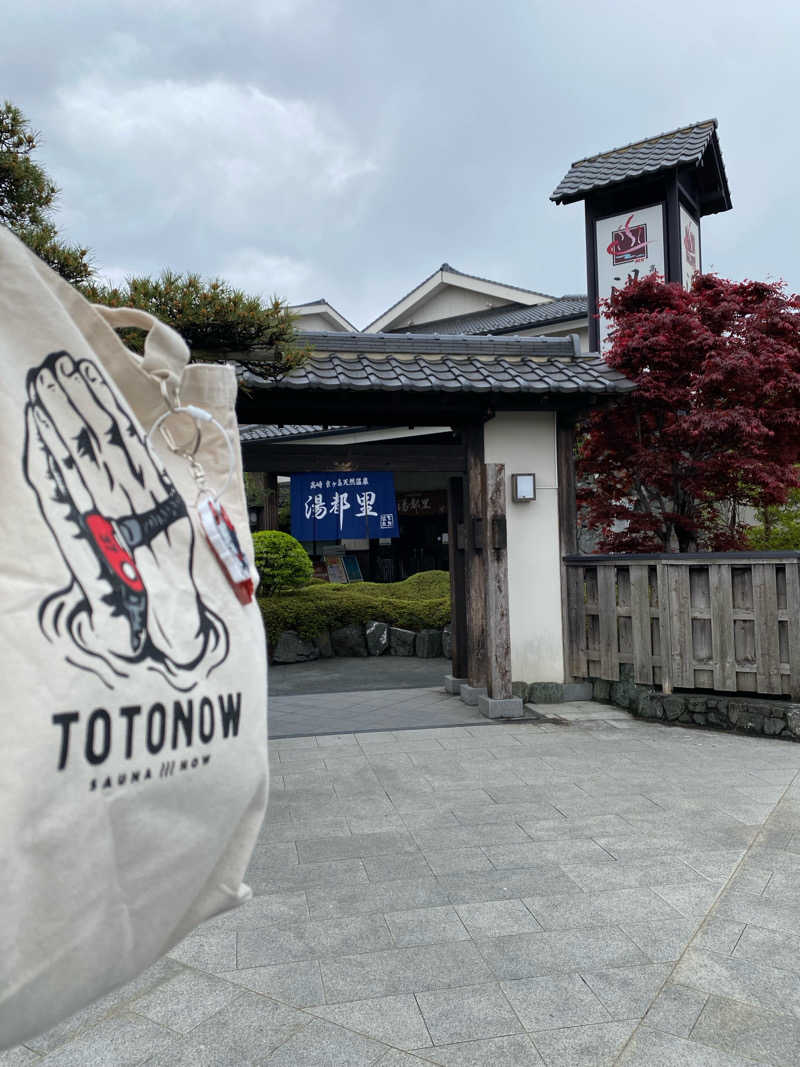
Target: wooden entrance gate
476, 530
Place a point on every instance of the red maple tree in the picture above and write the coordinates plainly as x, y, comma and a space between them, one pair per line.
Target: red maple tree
714, 424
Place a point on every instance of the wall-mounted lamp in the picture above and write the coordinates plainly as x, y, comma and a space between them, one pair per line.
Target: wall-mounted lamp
523, 488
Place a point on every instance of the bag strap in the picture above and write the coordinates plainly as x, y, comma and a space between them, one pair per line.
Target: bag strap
165, 351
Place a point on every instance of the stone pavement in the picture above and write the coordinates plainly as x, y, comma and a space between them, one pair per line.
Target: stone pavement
591, 892
370, 709
347, 674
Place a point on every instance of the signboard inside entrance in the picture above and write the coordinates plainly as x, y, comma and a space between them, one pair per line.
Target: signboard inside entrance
333, 506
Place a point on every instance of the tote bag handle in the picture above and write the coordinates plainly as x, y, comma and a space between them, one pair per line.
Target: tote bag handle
165, 351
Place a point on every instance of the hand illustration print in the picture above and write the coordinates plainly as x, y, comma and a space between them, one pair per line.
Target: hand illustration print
122, 529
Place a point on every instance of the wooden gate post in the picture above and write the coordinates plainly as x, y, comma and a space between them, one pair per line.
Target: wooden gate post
498, 636
474, 556
571, 585
270, 501
455, 543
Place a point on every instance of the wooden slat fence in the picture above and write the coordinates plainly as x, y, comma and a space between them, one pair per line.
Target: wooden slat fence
724, 621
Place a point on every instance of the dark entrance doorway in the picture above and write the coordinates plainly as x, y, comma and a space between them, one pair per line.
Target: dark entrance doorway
429, 541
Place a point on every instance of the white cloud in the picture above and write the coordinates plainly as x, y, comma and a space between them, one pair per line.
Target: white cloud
264, 275
219, 165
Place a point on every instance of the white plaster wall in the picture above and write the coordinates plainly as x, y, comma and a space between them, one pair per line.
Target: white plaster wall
526, 442
317, 322
447, 302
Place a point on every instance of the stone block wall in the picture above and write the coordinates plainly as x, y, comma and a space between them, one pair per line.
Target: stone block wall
372, 639
752, 715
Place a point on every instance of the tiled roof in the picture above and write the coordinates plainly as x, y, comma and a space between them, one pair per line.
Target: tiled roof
429, 363
508, 318
267, 433
491, 281
399, 344
685, 146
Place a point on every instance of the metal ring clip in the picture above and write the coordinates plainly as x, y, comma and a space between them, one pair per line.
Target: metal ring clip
189, 450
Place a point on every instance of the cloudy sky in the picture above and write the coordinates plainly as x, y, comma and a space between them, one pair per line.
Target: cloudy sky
345, 148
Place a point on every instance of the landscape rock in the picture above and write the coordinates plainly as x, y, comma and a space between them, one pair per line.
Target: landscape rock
377, 638
793, 721
291, 648
447, 642
601, 689
695, 705
323, 643
773, 726
674, 707
747, 716
650, 706
750, 721
546, 693
623, 693
718, 718
349, 641
401, 642
576, 691
429, 644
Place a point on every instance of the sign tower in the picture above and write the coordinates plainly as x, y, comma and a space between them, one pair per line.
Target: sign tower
643, 206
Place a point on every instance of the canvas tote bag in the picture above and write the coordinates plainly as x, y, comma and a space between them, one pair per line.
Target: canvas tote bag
133, 776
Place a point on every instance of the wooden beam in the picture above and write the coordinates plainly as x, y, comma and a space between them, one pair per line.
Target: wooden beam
266, 486
271, 501
342, 407
400, 456
281, 407
672, 218
474, 560
458, 624
498, 631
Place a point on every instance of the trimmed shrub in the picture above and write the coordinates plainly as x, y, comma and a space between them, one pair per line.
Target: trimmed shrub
427, 585
281, 561
419, 603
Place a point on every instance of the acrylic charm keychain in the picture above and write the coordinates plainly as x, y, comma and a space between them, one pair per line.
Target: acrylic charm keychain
217, 526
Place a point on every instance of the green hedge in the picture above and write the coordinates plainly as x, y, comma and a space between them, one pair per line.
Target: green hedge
421, 602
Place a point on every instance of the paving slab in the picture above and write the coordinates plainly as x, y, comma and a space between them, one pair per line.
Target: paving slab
426, 926
321, 1043
299, 984
595, 1045
763, 1036
554, 1002
121, 1039
394, 1020
652, 1048
627, 992
675, 1009
467, 1013
515, 1051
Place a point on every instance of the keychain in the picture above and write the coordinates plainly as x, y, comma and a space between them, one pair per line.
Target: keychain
217, 526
